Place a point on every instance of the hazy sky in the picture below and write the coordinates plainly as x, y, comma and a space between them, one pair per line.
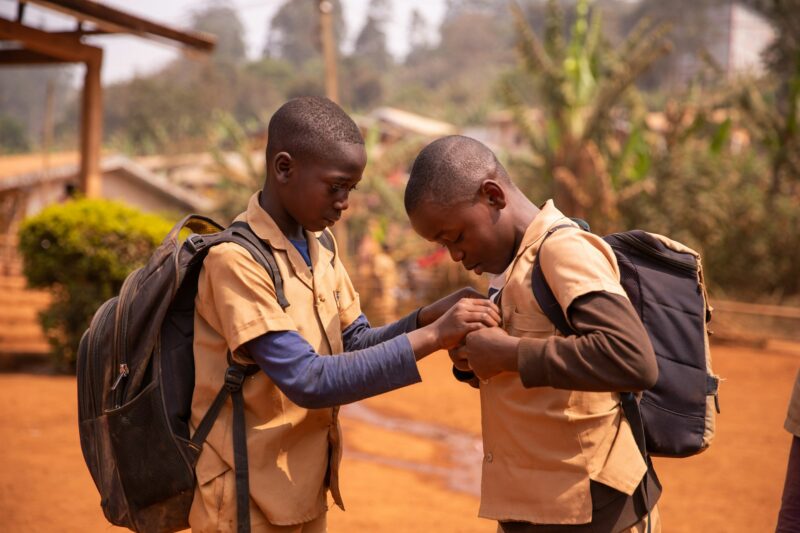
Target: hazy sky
126, 56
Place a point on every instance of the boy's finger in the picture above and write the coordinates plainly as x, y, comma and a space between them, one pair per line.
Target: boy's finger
486, 317
458, 354
479, 318
472, 325
484, 305
462, 364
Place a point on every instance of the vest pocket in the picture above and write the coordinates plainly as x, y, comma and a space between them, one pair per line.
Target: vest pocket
209, 466
215, 482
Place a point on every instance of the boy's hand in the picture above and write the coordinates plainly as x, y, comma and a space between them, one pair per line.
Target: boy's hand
430, 313
489, 351
459, 361
466, 316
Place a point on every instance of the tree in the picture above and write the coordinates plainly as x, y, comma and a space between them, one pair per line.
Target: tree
239, 173
418, 40
370, 45
782, 55
223, 22
23, 95
697, 29
362, 85
12, 136
454, 80
580, 88
773, 113
294, 33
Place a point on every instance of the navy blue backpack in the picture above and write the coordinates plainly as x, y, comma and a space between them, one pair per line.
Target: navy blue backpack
664, 281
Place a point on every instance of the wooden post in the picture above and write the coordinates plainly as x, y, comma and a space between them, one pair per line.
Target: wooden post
332, 92
329, 50
47, 125
91, 130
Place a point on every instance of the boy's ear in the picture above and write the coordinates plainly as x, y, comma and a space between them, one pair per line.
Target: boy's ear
493, 193
283, 165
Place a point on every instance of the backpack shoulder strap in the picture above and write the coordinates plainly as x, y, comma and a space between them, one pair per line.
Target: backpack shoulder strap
544, 294
552, 309
242, 234
326, 240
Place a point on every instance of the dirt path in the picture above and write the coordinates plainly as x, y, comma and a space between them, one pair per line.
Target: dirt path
401, 469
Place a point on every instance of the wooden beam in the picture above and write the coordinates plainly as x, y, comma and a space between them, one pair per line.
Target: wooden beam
81, 33
113, 20
21, 56
65, 48
91, 130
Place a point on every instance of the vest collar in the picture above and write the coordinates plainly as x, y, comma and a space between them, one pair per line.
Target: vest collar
267, 230
546, 218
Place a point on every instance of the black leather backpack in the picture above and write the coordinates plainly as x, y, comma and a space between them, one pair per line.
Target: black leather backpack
136, 378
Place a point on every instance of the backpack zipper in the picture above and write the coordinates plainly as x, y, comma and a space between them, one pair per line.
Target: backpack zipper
646, 249
123, 372
122, 331
101, 318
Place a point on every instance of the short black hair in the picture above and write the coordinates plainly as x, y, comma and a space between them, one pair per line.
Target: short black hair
449, 170
306, 126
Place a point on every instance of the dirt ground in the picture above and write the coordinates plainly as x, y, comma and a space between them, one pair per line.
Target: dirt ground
412, 456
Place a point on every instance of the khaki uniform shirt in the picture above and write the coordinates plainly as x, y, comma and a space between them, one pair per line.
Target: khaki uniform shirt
543, 445
292, 451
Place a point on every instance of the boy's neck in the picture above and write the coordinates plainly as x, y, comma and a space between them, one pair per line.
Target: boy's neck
270, 202
523, 212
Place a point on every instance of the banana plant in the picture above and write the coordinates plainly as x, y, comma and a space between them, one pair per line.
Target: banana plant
585, 92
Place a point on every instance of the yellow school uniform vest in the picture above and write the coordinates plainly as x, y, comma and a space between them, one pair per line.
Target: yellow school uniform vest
293, 453
543, 445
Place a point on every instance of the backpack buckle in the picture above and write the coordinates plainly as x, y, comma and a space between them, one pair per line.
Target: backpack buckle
195, 242
234, 377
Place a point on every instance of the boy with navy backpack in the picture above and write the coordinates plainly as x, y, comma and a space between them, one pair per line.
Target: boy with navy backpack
559, 453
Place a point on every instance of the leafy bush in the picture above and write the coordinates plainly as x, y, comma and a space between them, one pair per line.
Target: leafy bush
718, 203
82, 251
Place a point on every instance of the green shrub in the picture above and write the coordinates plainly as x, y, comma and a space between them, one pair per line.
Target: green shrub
718, 204
82, 251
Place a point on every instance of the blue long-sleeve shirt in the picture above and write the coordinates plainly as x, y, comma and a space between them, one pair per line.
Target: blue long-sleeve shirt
376, 360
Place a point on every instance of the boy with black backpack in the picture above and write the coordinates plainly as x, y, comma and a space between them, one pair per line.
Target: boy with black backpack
315, 158
206, 393
559, 454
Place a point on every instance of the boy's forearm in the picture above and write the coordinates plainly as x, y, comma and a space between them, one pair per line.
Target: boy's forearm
611, 352
360, 334
315, 381
423, 342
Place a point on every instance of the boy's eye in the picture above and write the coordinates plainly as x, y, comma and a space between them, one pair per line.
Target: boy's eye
338, 187
447, 242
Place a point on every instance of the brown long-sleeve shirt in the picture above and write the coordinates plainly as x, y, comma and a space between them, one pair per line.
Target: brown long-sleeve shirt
611, 351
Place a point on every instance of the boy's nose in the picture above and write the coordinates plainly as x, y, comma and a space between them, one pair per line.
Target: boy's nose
456, 254
342, 203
